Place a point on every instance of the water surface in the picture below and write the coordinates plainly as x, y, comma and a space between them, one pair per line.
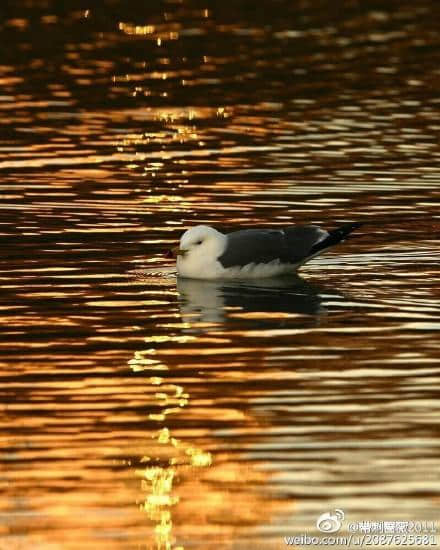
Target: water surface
141, 412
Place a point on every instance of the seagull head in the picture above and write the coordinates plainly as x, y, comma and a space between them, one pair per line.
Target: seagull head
200, 240
198, 245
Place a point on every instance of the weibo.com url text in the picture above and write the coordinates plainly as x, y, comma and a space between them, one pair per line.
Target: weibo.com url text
362, 540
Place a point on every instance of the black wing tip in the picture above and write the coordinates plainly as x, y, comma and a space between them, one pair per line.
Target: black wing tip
337, 235
346, 228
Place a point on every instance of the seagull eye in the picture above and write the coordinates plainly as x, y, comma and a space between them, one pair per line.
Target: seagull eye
199, 242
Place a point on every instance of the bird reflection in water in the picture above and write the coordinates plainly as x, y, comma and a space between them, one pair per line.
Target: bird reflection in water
270, 299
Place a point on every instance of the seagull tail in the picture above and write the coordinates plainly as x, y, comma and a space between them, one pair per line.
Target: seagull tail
335, 236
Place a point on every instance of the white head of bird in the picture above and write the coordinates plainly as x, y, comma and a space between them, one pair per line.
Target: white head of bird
197, 245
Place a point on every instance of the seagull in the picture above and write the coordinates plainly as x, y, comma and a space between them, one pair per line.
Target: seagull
205, 253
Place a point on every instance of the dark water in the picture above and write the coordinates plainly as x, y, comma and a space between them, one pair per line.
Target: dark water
141, 413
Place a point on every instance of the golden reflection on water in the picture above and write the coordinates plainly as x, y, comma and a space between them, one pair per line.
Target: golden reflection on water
157, 481
246, 409
179, 479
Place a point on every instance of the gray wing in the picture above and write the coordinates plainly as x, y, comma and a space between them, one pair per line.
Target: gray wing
303, 241
290, 245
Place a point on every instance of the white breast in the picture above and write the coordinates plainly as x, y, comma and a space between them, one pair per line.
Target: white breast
202, 268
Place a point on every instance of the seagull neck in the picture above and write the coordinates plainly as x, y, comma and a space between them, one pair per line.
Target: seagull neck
219, 244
